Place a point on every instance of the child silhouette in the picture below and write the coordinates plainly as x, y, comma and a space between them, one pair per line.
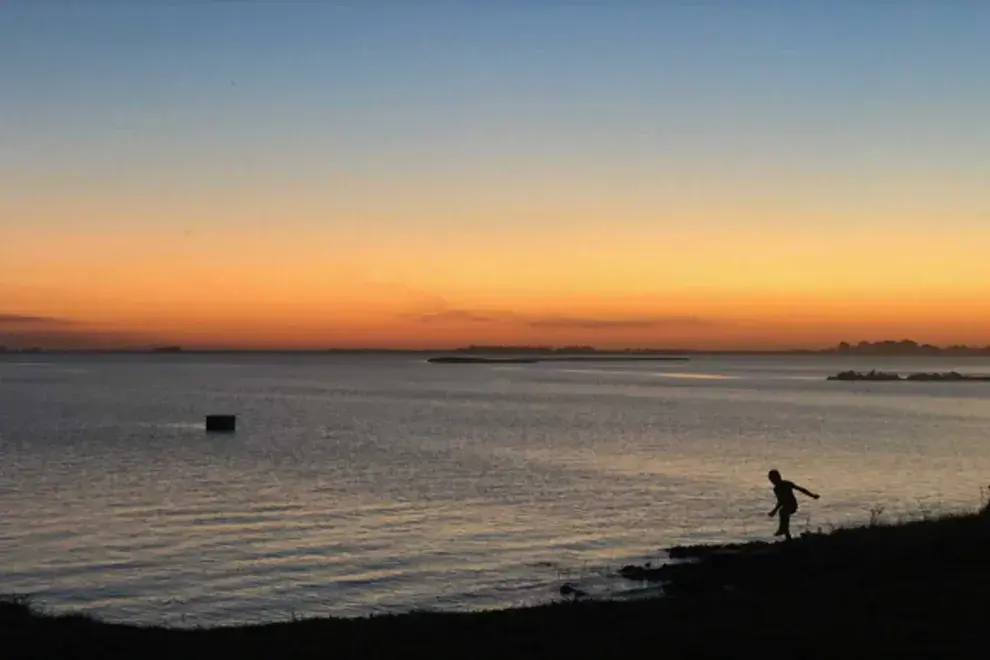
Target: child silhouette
786, 502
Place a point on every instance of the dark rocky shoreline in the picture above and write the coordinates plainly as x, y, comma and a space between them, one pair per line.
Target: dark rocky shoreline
912, 590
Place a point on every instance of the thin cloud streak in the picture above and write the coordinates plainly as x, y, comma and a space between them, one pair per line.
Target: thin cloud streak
609, 323
557, 322
70, 340
456, 315
26, 330
26, 319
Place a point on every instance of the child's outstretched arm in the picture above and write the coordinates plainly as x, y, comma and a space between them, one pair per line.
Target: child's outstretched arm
806, 492
775, 510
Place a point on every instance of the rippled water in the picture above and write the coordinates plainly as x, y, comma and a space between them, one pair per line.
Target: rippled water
357, 485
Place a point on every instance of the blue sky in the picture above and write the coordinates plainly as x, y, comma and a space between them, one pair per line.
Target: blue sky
386, 83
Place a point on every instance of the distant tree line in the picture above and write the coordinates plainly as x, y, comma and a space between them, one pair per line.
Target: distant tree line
886, 347
906, 347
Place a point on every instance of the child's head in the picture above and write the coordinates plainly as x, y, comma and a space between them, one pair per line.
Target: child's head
774, 476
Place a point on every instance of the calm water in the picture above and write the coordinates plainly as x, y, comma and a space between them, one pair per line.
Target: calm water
357, 485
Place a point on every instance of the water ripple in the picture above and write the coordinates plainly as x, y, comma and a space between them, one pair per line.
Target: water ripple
355, 486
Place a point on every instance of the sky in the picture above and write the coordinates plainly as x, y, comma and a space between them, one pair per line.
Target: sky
314, 174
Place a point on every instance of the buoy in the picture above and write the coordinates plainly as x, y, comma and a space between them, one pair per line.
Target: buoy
221, 422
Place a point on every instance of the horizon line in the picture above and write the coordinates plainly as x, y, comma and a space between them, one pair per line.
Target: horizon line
905, 346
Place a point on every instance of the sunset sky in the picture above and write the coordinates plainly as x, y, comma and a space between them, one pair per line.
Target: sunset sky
433, 174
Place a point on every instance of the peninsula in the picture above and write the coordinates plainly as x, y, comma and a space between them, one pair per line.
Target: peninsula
533, 354
873, 375
468, 359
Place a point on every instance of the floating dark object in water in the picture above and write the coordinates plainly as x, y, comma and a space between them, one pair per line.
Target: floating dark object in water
221, 423
873, 375
464, 359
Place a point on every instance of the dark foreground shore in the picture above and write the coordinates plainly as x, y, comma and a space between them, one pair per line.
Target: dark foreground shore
917, 590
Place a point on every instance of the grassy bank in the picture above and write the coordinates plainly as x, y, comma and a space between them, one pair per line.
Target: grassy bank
919, 589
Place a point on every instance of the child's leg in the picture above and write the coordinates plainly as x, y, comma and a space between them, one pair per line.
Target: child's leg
784, 529
785, 523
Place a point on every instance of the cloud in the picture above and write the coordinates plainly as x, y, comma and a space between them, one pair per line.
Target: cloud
23, 319
436, 309
24, 330
612, 323
433, 309
458, 315
466, 315
55, 339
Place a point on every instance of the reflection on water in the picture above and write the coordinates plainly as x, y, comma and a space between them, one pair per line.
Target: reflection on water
359, 485
696, 376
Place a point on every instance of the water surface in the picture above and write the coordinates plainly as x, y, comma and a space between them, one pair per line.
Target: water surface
363, 484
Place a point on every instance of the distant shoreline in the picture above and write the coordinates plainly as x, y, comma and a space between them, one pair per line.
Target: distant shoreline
887, 376
888, 348
477, 359
418, 352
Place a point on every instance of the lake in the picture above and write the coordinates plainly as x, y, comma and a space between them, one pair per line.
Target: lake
362, 484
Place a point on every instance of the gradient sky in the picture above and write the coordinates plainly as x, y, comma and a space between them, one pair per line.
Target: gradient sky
431, 174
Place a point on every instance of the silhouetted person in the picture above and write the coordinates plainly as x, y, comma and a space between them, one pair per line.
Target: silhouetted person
786, 502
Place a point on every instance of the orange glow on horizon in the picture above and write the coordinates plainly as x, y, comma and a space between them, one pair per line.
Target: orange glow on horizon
299, 283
